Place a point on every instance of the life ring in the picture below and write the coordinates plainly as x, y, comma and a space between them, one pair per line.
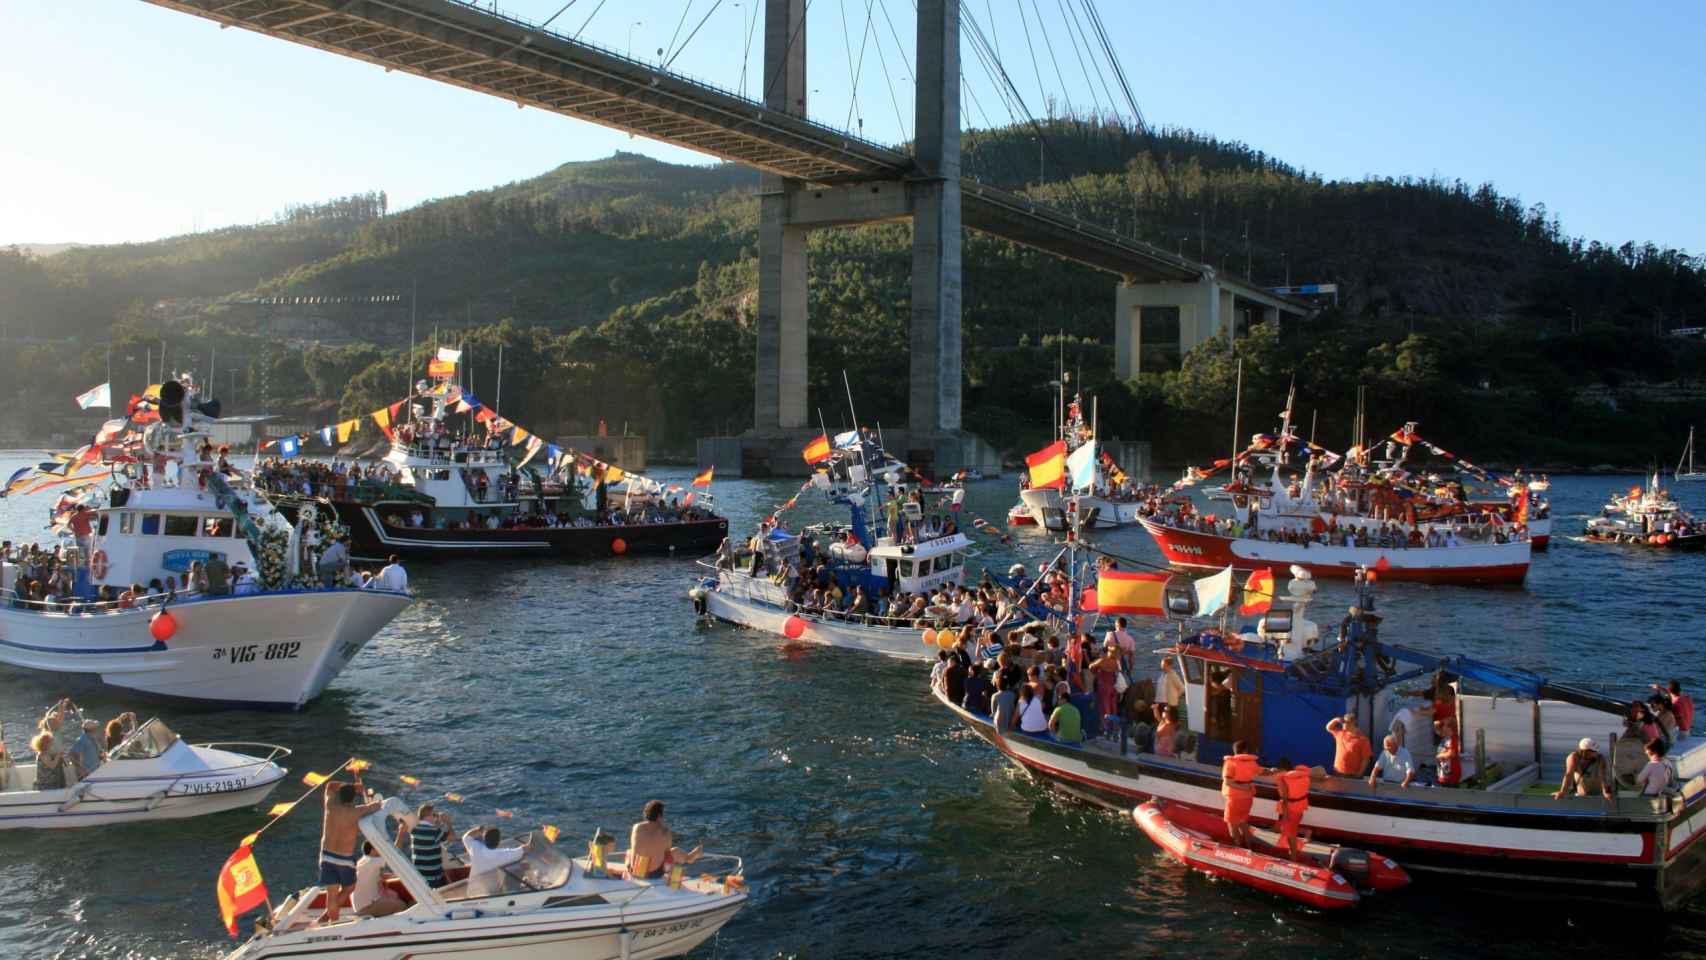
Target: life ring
98, 565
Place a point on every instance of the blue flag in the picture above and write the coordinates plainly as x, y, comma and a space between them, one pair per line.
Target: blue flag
329, 436
1081, 465
289, 447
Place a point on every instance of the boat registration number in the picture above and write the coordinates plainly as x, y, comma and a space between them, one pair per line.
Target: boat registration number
250, 652
209, 786
671, 929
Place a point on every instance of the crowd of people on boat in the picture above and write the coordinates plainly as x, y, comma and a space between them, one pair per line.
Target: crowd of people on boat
638, 513
334, 480
1330, 532
68, 747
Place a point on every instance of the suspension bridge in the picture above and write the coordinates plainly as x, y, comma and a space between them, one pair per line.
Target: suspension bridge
813, 176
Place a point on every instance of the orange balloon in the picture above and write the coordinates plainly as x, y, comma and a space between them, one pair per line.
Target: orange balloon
929, 636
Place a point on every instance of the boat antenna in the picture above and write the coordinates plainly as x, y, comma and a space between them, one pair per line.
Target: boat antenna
1314, 418
409, 360
499, 399
1237, 406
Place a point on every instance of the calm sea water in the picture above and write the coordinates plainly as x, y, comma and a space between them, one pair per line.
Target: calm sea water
872, 826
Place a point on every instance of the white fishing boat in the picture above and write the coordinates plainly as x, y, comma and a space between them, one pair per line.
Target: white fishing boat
152, 775
1685, 469
887, 547
277, 640
545, 906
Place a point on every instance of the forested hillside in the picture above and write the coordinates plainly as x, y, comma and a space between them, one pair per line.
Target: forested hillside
625, 289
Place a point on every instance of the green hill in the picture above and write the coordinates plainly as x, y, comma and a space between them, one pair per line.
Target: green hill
629, 290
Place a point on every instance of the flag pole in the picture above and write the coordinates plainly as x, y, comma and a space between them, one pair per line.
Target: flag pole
500, 397
1237, 408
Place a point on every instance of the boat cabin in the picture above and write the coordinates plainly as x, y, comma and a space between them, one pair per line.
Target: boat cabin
143, 535
919, 567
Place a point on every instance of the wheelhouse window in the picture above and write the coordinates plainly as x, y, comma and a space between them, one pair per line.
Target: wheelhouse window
126, 522
101, 527
216, 527
906, 568
180, 526
150, 524
944, 561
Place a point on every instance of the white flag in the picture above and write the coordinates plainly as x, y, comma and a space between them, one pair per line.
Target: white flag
1081, 465
449, 356
101, 396
1214, 592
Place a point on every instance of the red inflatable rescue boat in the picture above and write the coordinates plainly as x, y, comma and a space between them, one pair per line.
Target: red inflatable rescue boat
1302, 882
1368, 871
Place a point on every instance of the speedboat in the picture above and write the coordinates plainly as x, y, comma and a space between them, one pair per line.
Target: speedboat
152, 775
278, 644
546, 905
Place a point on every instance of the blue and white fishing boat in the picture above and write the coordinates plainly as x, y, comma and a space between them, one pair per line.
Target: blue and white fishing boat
276, 640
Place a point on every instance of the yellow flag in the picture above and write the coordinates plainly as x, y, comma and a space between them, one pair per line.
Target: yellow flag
453, 797
357, 766
613, 474
280, 809
382, 416
347, 428
551, 833
249, 840
411, 781
505, 813
312, 779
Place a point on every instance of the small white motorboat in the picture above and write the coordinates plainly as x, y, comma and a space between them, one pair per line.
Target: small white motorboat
545, 905
152, 775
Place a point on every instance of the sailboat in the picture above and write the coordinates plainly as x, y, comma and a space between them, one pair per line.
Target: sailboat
1688, 458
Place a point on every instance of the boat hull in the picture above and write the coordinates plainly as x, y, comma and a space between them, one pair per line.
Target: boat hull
1583, 851
1047, 509
904, 642
1306, 884
156, 798
668, 931
1480, 564
371, 538
262, 650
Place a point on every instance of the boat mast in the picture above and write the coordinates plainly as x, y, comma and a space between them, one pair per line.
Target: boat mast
1237, 411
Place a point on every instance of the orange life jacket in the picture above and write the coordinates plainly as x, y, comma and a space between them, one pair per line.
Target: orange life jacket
1294, 788
1238, 772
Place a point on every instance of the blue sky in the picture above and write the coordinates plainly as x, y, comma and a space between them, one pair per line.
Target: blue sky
126, 121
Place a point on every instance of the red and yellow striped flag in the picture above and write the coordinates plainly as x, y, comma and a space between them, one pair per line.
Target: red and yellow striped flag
1258, 593
704, 479
817, 451
239, 888
1048, 465
1119, 591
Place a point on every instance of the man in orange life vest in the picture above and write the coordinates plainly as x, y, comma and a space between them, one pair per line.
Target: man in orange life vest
1238, 772
1293, 783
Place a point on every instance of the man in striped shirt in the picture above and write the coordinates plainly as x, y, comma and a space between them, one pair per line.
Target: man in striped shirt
427, 834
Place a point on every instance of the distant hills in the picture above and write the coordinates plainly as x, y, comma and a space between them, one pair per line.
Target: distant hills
629, 287
47, 249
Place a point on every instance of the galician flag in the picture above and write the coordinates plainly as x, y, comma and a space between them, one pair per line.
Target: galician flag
1081, 466
448, 355
1214, 593
101, 396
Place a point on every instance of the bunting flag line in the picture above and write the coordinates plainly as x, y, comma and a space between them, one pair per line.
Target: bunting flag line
312, 779
280, 809
328, 435
551, 833
382, 417
411, 781
289, 447
346, 429
1048, 465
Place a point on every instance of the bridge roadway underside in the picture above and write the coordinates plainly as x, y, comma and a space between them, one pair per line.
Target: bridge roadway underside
488, 53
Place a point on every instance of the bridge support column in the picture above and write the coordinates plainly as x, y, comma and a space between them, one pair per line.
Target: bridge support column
935, 395
1200, 307
779, 384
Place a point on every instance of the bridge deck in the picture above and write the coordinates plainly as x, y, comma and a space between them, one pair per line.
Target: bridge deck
456, 43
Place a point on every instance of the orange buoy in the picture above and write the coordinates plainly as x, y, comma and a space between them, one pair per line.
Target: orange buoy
794, 628
163, 626
618, 546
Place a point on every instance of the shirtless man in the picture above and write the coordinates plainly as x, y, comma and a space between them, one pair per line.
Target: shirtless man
338, 832
651, 846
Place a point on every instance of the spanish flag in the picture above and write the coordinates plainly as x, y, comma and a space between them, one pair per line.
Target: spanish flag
1258, 593
704, 479
817, 451
1048, 465
1118, 591
441, 368
239, 888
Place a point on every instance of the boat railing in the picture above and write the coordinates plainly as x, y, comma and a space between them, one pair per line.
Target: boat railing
10, 598
274, 753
